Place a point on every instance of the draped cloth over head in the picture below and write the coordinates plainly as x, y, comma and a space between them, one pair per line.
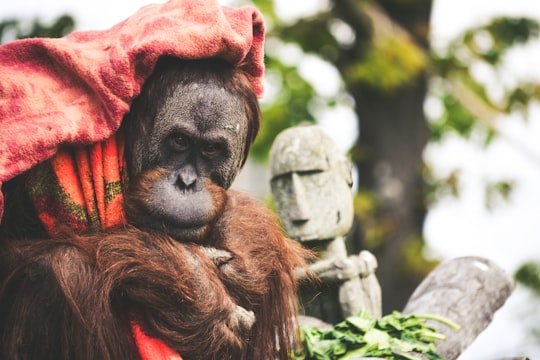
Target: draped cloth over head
63, 100
74, 91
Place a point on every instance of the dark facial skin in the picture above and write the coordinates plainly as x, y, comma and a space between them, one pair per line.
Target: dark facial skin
199, 133
187, 154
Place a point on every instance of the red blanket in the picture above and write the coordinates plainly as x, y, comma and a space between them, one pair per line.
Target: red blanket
75, 90
80, 187
152, 348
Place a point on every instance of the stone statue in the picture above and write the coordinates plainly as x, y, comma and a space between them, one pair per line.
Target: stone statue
311, 187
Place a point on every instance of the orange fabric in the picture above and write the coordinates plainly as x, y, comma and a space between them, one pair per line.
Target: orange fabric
152, 348
81, 188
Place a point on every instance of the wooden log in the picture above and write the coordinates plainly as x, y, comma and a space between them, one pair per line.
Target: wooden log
468, 291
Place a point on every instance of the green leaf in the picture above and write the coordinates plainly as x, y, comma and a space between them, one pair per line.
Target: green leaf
529, 275
394, 336
362, 322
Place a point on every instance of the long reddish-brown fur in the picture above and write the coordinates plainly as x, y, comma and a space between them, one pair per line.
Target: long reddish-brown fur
97, 284
261, 277
76, 296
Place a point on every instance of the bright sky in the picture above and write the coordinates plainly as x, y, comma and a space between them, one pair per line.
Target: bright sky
517, 153
508, 235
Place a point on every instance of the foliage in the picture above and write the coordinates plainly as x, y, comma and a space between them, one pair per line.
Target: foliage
436, 187
367, 207
528, 274
497, 192
377, 58
456, 118
487, 45
288, 108
16, 29
388, 65
295, 95
464, 97
394, 336
504, 33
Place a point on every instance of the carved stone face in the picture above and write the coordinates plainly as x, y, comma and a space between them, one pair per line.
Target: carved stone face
311, 184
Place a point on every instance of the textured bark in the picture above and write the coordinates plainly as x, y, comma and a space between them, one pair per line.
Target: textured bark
466, 290
393, 134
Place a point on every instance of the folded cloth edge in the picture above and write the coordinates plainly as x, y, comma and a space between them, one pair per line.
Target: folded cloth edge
75, 90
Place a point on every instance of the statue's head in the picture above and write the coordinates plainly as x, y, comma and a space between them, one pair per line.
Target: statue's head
311, 184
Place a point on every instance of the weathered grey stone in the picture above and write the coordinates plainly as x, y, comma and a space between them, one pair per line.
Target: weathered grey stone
468, 291
311, 187
311, 184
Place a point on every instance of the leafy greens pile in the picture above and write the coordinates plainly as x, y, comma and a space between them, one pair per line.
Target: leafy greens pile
394, 337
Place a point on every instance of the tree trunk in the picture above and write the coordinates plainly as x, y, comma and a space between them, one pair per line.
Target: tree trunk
393, 134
